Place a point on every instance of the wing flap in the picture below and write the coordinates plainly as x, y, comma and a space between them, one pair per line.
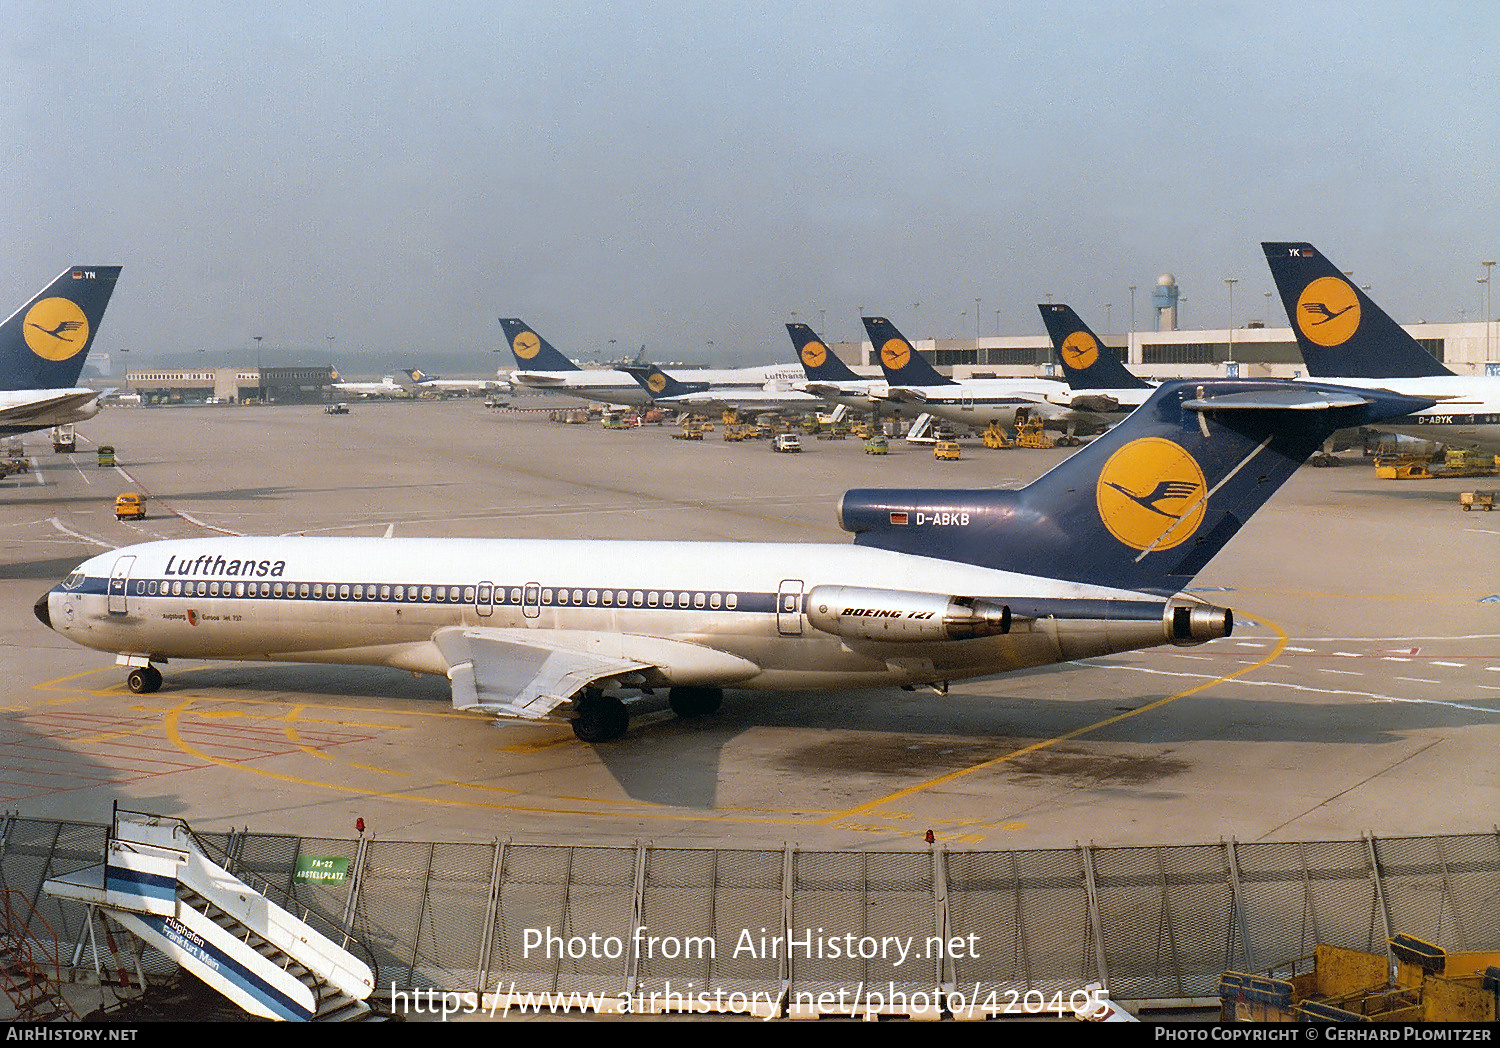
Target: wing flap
530, 673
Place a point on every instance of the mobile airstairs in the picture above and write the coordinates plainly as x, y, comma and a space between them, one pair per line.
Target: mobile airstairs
158, 882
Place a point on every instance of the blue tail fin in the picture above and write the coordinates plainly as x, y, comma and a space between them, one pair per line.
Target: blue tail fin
657, 383
817, 361
44, 343
903, 365
1087, 362
1146, 505
1341, 332
532, 351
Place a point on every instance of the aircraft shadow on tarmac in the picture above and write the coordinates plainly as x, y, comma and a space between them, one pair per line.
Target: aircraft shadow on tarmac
901, 735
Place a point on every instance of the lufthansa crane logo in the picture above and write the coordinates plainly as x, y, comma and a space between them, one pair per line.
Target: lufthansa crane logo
813, 354
1150, 494
657, 382
895, 354
527, 345
56, 329
1079, 351
1328, 311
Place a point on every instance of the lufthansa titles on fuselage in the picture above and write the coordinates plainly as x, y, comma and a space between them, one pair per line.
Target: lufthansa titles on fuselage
209, 564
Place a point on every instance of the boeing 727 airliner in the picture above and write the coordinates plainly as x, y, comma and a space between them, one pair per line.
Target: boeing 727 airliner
939, 585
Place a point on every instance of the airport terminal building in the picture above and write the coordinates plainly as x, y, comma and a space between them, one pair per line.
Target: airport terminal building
305, 384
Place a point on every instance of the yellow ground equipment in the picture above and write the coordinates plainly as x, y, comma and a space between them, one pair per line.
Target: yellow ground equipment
947, 451
996, 437
1029, 434
1484, 500
1342, 985
130, 506
877, 445
1402, 467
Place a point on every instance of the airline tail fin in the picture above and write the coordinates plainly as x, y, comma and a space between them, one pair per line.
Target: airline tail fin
44, 343
903, 365
1143, 507
657, 383
1087, 362
532, 351
1341, 332
819, 364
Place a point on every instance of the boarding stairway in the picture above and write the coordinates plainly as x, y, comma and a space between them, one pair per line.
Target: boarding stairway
921, 430
158, 882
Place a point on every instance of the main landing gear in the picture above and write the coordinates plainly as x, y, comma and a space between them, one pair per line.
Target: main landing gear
602, 717
695, 702
143, 680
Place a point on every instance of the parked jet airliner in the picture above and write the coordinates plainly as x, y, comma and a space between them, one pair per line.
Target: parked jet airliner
980, 402
542, 366
939, 585
1346, 338
42, 349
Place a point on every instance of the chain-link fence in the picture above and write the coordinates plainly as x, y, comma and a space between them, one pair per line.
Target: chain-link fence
830, 932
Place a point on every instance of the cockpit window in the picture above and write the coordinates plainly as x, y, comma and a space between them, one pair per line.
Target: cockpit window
73, 581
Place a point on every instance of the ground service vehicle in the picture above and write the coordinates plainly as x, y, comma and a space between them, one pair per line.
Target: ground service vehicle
130, 506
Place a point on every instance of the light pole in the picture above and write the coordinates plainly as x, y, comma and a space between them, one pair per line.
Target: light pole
1488, 272
1231, 281
260, 376
1130, 343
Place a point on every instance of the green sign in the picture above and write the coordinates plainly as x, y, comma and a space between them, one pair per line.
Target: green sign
312, 869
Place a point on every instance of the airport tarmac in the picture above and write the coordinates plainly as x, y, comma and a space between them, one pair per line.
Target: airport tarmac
1360, 692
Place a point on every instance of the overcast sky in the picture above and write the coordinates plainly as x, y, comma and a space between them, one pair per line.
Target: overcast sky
398, 176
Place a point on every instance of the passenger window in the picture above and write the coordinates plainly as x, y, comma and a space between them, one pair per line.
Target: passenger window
621, 597
302, 591
713, 601
176, 589
426, 593
593, 597
453, 592
609, 598
385, 593
515, 596
637, 598
578, 596
732, 601
277, 591
668, 600
439, 594
469, 595
651, 599
697, 600
562, 596
546, 596
239, 589
682, 600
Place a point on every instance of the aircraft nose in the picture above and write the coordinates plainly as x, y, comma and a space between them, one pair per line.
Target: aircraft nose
43, 613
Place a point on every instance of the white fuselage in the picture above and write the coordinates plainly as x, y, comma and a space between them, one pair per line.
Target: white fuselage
983, 401
379, 601
611, 386
1467, 412
24, 410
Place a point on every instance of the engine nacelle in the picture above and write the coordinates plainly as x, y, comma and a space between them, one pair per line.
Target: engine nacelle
861, 613
1195, 623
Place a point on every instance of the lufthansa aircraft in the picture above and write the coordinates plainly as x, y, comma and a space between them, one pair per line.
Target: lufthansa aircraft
939, 585
980, 402
1097, 379
541, 366
829, 377
666, 391
42, 349
1346, 338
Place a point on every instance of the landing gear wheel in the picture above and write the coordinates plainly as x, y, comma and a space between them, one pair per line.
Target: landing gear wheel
144, 679
695, 702
600, 718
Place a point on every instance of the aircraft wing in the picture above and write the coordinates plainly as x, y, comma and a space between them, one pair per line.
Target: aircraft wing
530, 673
47, 408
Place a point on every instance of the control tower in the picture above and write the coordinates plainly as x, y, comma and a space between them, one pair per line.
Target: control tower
1164, 298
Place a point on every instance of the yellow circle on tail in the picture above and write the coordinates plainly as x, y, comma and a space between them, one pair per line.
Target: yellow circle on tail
813, 354
527, 345
1079, 350
656, 383
56, 329
1150, 494
1328, 311
895, 354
